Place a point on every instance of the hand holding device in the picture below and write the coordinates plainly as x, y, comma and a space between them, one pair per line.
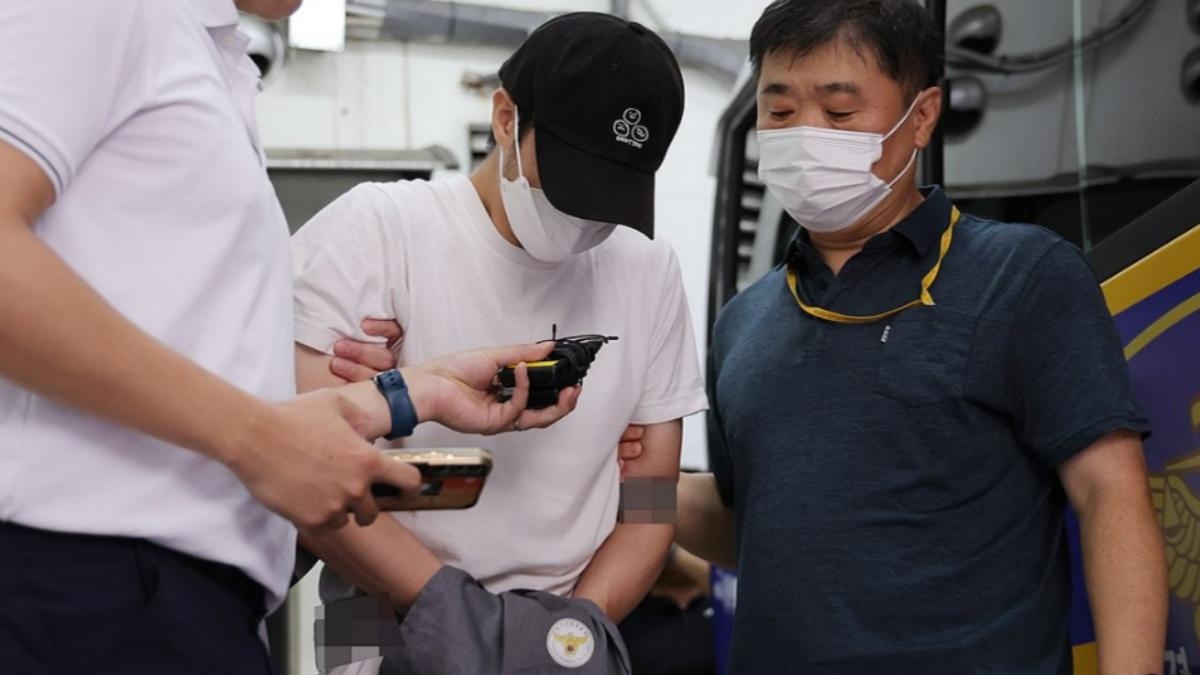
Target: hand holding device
306, 460
565, 366
459, 391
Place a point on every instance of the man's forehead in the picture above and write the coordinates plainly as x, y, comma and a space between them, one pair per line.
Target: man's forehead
782, 87
833, 68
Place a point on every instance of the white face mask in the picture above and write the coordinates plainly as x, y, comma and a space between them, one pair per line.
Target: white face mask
823, 176
545, 232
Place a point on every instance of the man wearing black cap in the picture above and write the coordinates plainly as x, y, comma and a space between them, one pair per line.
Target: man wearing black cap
553, 229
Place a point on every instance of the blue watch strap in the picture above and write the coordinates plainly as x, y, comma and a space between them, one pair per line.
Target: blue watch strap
404, 415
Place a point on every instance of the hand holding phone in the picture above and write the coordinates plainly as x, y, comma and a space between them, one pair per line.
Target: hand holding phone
451, 478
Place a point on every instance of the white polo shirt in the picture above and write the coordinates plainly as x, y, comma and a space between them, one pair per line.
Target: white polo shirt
141, 113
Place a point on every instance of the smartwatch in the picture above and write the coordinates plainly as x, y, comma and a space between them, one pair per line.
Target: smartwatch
390, 384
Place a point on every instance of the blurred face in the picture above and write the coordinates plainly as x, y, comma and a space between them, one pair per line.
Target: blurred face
836, 87
271, 10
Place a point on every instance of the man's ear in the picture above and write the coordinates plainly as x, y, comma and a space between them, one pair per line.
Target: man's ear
504, 118
927, 112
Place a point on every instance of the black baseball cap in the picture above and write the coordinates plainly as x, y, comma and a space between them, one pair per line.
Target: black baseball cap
605, 96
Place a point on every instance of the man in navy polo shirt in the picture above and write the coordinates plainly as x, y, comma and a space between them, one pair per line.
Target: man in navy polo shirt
902, 412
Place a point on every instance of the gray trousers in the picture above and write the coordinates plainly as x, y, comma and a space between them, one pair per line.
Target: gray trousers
457, 627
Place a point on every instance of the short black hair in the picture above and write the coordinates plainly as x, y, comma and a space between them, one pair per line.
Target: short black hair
901, 33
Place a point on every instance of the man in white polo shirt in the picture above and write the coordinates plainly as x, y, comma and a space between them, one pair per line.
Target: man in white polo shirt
147, 446
588, 109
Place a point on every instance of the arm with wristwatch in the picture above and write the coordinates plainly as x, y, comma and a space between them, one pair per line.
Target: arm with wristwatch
388, 561
455, 390
366, 555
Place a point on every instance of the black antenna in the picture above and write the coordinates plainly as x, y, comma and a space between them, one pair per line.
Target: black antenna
553, 332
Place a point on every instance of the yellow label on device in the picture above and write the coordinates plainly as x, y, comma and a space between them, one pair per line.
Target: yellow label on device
540, 364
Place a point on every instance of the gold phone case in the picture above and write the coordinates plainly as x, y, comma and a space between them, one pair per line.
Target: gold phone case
451, 478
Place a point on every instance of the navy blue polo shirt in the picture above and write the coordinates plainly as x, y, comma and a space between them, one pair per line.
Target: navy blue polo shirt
895, 483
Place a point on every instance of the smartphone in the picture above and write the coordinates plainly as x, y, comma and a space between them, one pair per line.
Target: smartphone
451, 478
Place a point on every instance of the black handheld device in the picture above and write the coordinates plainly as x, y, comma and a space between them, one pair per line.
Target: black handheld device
564, 367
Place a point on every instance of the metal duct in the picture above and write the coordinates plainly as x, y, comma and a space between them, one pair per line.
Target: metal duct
470, 24
721, 57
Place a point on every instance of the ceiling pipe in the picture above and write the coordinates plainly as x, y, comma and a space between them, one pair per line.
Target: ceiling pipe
464, 23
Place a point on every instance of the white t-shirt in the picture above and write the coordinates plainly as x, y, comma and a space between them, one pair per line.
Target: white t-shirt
428, 255
141, 114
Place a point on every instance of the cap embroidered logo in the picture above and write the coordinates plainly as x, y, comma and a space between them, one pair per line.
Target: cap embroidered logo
629, 130
570, 643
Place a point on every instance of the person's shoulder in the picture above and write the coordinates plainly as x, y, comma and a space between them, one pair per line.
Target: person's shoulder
626, 246
405, 192
740, 314
394, 205
368, 203
362, 215
629, 259
1006, 238
110, 13
113, 25
992, 244
1031, 260
631, 254
754, 295
419, 200
64, 29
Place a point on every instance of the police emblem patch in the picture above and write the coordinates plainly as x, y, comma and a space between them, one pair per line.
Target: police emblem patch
570, 643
